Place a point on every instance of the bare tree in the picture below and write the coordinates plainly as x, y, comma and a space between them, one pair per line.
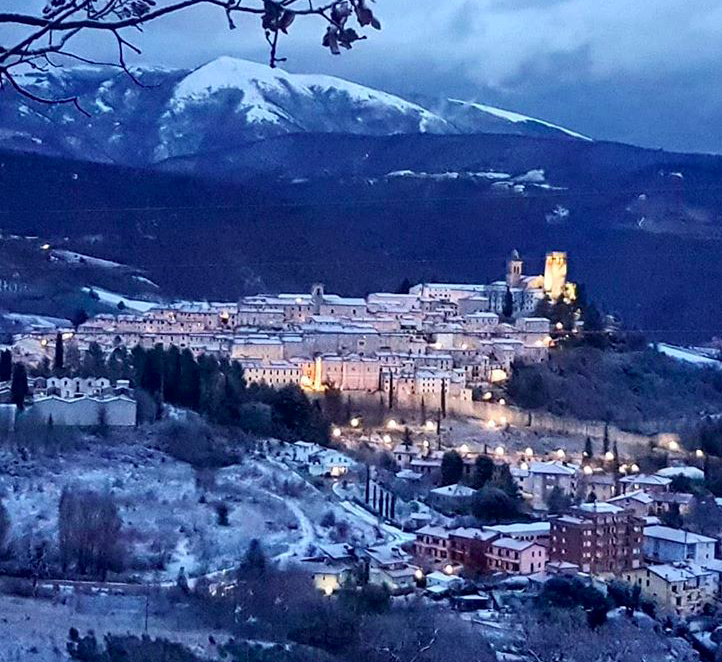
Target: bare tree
89, 532
40, 40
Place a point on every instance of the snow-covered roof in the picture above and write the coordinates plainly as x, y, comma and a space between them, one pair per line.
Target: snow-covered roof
600, 507
435, 531
693, 473
638, 495
644, 479
521, 529
513, 543
553, 467
675, 535
472, 534
678, 572
454, 491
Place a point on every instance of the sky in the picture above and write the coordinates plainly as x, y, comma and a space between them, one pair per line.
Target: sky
648, 72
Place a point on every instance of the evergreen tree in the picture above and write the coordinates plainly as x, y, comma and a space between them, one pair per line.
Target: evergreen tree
79, 317
452, 468
6, 365
391, 390
94, 362
422, 411
503, 480
19, 386
605, 439
59, 358
42, 369
588, 450
171, 375
443, 398
404, 286
407, 440
507, 309
71, 358
254, 561
558, 501
483, 471
189, 381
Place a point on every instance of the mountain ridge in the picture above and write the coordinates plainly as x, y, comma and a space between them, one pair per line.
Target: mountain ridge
225, 102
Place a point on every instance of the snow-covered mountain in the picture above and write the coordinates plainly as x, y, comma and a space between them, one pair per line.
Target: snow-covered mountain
220, 105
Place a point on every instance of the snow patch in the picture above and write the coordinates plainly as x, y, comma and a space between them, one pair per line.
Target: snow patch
71, 257
114, 299
511, 116
687, 355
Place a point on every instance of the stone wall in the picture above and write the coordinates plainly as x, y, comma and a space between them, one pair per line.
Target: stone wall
531, 420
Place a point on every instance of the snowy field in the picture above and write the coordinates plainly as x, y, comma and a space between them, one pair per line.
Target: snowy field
169, 510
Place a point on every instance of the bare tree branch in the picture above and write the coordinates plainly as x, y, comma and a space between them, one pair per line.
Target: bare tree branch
48, 33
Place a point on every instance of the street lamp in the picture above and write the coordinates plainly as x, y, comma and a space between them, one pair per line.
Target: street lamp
529, 452
499, 451
355, 422
588, 471
561, 454
336, 432
387, 438
391, 424
430, 426
673, 446
699, 453
609, 456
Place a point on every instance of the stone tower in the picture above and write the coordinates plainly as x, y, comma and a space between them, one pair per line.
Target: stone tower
555, 274
317, 297
514, 267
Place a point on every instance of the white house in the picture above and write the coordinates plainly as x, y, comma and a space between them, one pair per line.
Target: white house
329, 462
666, 545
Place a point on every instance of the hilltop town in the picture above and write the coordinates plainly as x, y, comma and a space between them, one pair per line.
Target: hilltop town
296, 476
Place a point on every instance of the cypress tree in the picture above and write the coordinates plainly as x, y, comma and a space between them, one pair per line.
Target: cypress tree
59, 359
391, 390
19, 386
6, 366
507, 309
588, 450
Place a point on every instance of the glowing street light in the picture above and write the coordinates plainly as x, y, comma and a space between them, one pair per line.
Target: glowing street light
524, 466
588, 471
634, 468
499, 451
355, 422
391, 424
336, 432
699, 453
529, 452
561, 454
486, 396
491, 425
609, 456
430, 426
502, 402
464, 449
418, 574
386, 438
673, 446
623, 469
449, 569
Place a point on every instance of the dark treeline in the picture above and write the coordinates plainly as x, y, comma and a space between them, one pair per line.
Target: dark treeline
215, 388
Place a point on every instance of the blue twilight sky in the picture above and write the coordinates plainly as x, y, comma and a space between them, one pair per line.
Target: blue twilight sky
642, 71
